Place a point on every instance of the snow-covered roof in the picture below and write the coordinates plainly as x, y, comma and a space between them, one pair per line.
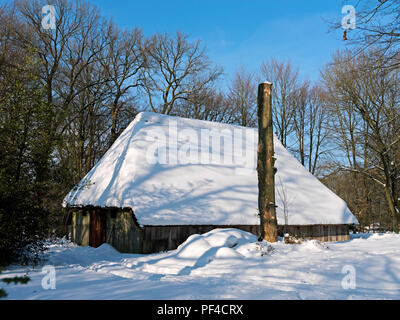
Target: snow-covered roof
167, 170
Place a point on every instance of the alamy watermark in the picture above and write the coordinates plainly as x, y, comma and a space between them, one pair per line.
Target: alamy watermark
349, 20
49, 279
349, 280
49, 19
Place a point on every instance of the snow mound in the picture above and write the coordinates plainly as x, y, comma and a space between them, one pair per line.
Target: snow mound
227, 253
224, 238
255, 249
312, 246
106, 250
200, 250
84, 256
380, 236
194, 247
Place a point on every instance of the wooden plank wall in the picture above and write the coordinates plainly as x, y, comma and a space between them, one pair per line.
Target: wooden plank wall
80, 227
125, 235
326, 233
122, 232
163, 238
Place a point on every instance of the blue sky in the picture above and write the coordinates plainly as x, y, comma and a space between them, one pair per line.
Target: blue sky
241, 32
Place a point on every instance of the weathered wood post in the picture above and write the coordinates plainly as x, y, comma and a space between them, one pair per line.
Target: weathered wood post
265, 164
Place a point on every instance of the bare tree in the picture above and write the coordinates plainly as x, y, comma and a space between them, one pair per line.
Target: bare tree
60, 55
175, 69
122, 61
369, 92
285, 79
86, 124
309, 124
377, 25
242, 98
65, 51
206, 104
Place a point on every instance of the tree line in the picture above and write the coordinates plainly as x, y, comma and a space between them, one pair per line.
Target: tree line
67, 93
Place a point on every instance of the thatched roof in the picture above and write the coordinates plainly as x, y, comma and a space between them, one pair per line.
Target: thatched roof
180, 191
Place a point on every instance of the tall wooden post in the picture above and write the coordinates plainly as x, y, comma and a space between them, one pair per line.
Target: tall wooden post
265, 164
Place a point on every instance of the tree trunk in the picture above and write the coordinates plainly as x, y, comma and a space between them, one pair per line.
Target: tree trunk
114, 116
265, 165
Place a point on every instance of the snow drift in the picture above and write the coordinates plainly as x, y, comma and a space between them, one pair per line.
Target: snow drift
199, 250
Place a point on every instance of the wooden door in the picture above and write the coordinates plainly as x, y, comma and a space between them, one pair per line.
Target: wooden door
97, 230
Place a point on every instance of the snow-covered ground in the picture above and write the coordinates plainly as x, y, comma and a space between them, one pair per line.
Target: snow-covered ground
221, 264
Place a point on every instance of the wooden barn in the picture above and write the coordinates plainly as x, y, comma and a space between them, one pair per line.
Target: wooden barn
166, 178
